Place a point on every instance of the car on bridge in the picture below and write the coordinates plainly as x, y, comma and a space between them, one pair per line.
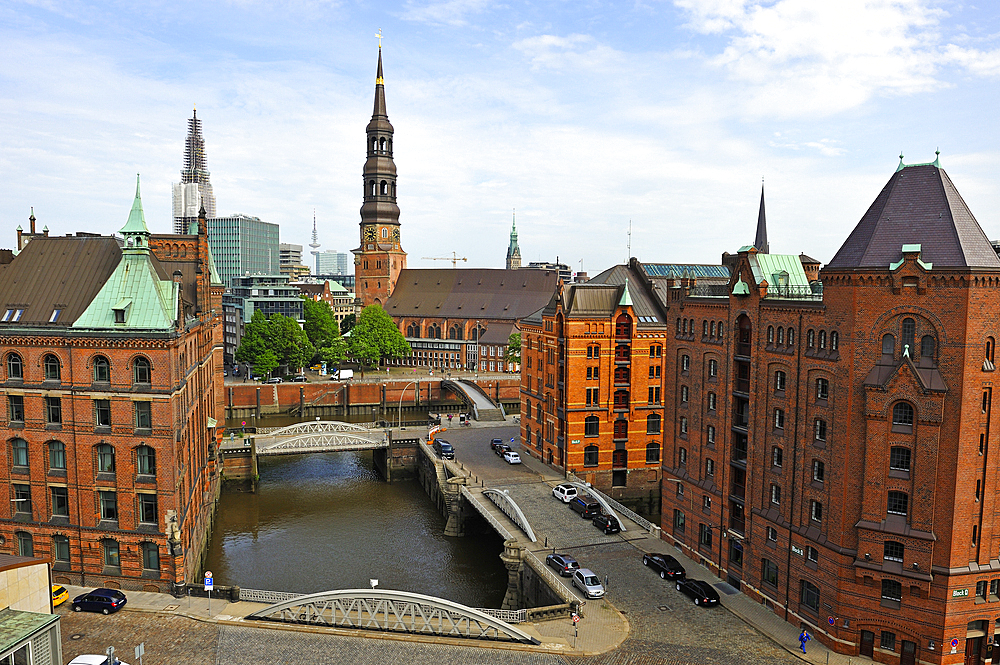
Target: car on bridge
666, 565
564, 564
565, 492
444, 449
511, 457
608, 524
588, 583
702, 593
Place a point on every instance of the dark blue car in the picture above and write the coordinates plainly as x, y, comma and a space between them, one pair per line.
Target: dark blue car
104, 601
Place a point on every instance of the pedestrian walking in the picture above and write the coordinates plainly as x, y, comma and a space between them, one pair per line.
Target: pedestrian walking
803, 638
449, 418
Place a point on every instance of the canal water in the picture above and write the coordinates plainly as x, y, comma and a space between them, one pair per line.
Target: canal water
326, 521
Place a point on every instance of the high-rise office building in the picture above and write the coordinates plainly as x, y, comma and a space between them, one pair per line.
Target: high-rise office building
291, 261
194, 190
243, 245
331, 262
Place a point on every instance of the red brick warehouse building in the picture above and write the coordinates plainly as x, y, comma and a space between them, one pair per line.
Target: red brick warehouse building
827, 444
111, 365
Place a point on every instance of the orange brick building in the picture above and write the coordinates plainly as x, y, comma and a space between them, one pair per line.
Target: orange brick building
111, 366
827, 439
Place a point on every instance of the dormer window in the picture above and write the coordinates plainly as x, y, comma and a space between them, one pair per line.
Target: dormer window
55, 315
121, 310
119, 316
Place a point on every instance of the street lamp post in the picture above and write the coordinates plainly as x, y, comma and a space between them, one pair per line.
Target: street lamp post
399, 422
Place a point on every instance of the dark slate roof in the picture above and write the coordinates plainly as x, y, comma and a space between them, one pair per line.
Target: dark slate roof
919, 205
643, 301
57, 273
471, 293
498, 333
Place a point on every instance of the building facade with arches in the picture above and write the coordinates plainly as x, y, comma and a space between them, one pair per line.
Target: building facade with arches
827, 439
110, 366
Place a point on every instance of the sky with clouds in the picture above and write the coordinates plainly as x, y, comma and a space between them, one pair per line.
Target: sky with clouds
583, 116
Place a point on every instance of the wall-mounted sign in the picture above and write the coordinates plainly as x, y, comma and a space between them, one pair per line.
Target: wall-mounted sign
959, 593
576, 440
797, 550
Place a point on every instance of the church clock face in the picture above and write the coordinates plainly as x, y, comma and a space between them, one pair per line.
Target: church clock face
395, 235
369, 233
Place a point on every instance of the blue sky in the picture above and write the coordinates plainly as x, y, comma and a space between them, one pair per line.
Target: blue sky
581, 115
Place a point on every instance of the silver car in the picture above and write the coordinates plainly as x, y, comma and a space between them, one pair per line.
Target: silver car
588, 582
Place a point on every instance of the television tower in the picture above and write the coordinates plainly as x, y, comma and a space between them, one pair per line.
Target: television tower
315, 246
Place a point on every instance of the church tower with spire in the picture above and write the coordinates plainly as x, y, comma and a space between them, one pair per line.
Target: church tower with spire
760, 241
194, 191
513, 251
379, 258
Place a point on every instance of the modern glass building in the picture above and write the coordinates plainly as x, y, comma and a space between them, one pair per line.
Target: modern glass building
243, 245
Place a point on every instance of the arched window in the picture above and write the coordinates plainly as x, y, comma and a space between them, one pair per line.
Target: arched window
591, 426
413, 330
720, 329
385, 233
791, 336
810, 338
990, 346
15, 367
678, 325
150, 556
888, 345
57, 455
623, 327
383, 188
455, 332
652, 453
19, 452
25, 545
743, 335
907, 332
145, 460
381, 143
621, 428
111, 558
590, 456
141, 371
770, 334
704, 328
389, 145
373, 187
102, 370
653, 423
105, 458
621, 374
927, 347
52, 370
684, 326
619, 459
822, 339
902, 414
834, 340
781, 335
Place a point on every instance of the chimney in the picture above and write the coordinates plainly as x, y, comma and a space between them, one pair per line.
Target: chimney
32, 220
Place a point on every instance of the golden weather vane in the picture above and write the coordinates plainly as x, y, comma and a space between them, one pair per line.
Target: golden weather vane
379, 35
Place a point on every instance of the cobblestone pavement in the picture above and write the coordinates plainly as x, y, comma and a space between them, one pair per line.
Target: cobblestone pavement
168, 639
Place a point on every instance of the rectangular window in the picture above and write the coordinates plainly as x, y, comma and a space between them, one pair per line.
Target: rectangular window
711, 401
888, 640
109, 505
893, 551
53, 410
704, 535
679, 521
810, 595
654, 394
684, 426
147, 508
150, 557
706, 501
684, 394
776, 456
60, 501
772, 534
102, 413
710, 434
820, 429
812, 554
769, 572
818, 470
22, 498
822, 389
816, 511
899, 458
143, 415
897, 503
713, 368
710, 467
775, 495
779, 380
60, 547
779, 419
685, 363
15, 404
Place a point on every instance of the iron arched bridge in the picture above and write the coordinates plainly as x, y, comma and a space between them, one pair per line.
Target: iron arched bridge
393, 611
320, 436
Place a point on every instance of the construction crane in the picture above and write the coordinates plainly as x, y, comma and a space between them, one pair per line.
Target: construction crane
454, 258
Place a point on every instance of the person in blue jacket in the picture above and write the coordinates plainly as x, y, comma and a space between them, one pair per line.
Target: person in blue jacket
803, 638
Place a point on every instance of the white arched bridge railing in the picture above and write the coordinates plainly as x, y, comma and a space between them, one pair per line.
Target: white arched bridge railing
605, 503
322, 442
311, 427
393, 611
509, 508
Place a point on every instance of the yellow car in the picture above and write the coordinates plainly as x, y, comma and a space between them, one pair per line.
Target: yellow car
59, 595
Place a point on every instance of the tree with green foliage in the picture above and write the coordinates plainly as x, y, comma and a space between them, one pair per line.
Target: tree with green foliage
323, 332
513, 354
269, 342
375, 337
347, 323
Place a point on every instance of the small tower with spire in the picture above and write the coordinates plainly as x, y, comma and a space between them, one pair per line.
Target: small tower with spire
513, 251
760, 241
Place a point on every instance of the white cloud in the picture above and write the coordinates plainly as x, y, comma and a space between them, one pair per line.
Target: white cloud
448, 12
807, 58
578, 52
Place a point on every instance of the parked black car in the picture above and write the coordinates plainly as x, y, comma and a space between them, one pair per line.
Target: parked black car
104, 601
586, 506
702, 593
501, 449
607, 524
563, 563
494, 443
666, 565
444, 449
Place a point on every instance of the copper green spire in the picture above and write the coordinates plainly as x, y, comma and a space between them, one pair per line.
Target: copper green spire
136, 219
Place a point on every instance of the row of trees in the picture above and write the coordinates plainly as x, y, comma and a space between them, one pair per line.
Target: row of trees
270, 342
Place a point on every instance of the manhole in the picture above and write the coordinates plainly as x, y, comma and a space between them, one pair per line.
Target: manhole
76, 636
663, 608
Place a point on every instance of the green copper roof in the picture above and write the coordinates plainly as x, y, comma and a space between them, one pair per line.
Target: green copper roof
936, 162
740, 288
136, 219
134, 288
626, 300
778, 269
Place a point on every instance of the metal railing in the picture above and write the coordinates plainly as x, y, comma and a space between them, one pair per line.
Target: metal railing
487, 515
632, 515
509, 507
554, 581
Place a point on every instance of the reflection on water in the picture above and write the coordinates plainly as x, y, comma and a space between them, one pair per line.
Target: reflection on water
327, 521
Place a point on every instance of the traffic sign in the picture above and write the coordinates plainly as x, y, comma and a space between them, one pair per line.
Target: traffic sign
209, 583
576, 618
